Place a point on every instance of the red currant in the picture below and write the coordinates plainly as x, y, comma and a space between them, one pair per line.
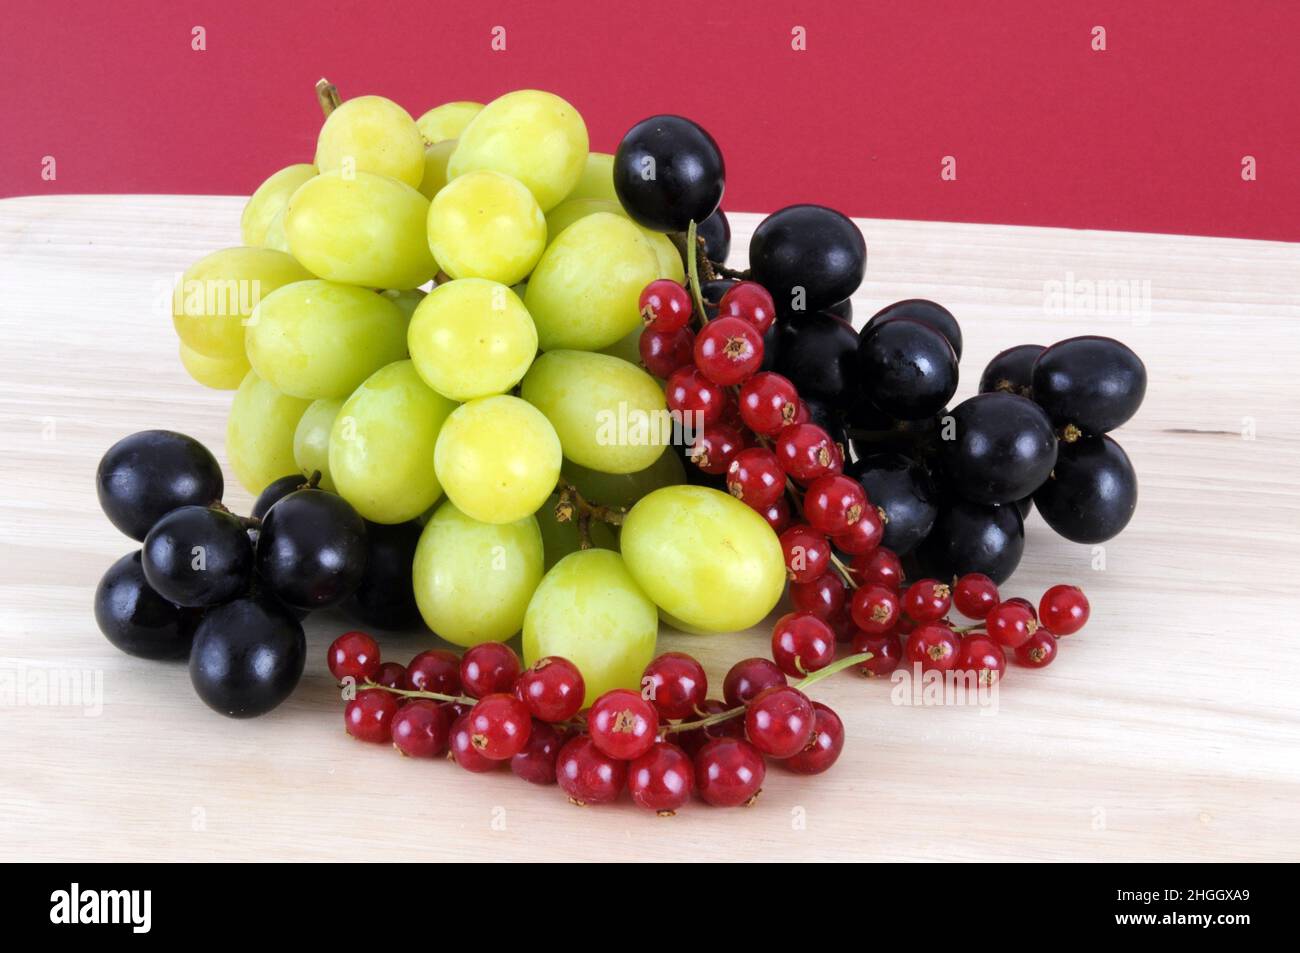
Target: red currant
694, 398
463, 751
863, 536
975, 595
1024, 604
354, 655
488, 669
535, 763
824, 748
1038, 651
665, 305
715, 447
391, 675
751, 302
552, 688
779, 721
588, 775
622, 724
807, 553
934, 645
807, 452
834, 503
754, 477
499, 726
777, 515
729, 772
1010, 625
802, 644
420, 729
768, 403
882, 568
676, 684
1063, 610
663, 352
875, 609
662, 779
728, 350
927, 600
369, 716
886, 652
748, 677
824, 597
436, 670
982, 656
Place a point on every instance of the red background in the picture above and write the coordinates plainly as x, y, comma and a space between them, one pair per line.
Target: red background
1148, 135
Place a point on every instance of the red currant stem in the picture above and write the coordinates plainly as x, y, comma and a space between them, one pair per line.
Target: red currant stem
845, 572
412, 693
963, 629
693, 269
327, 94
573, 505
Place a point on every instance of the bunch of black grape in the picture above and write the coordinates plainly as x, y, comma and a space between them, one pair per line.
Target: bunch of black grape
227, 592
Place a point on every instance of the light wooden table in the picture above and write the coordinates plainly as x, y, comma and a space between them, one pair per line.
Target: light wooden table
1168, 729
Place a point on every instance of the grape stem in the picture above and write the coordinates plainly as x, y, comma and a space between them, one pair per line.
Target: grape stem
248, 522
327, 94
572, 505
732, 273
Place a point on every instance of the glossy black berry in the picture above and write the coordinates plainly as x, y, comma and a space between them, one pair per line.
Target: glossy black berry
136, 619
903, 491
276, 491
385, 597
196, 556
1094, 384
1002, 448
909, 370
148, 474
712, 292
1011, 371
829, 417
929, 313
248, 656
715, 231
311, 552
668, 172
809, 257
819, 355
1092, 491
842, 309
973, 537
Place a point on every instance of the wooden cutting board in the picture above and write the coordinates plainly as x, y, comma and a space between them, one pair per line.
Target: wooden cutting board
1168, 729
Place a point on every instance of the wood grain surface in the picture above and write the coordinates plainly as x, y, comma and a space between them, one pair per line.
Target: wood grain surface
1167, 730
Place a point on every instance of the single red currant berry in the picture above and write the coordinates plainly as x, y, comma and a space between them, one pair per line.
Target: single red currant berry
807, 452
488, 669
420, 729
1024, 604
748, 677
455, 710
728, 350
886, 653
1063, 610
1038, 651
863, 536
777, 515
588, 775
676, 684
696, 400
662, 779
975, 595
1010, 625
751, 302
802, 644
983, 657
499, 726
807, 553
927, 600
693, 739
934, 645
768, 403
369, 716
834, 503
824, 748
779, 721
663, 352
842, 624
715, 447
552, 688
881, 568
391, 675
754, 477
874, 609
824, 597
622, 724
355, 655
536, 762
665, 305
436, 670
463, 751
729, 772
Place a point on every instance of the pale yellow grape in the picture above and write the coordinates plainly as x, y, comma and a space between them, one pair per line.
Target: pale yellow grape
627, 348
625, 489
435, 167
270, 200
670, 260
372, 134
571, 210
610, 415
215, 296
471, 338
317, 339
407, 301
473, 580
259, 433
705, 558
534, 136
382, 442
486, 225
368, 230
497, 458
584, 292
311, 440
560, 539
275, 234
447, 121
219, 373
589, 610
597, 179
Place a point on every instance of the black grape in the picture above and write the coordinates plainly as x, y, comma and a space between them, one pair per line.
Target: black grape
808, 247
829, 418
1092, 492
248, 656
668, 172
1092, 383
150, 473
903, 490
909, 370
973, 537
716, 234
1025, 506
1011, 371
196, 556
842, 309
386, 596
1002, 448
311, 551
929, 313
819, 355
136, 619
276, 491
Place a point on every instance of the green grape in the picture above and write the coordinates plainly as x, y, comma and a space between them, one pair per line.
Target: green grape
497, 458
610, 415
627, 348
584, 292
472, 338
311, 440
560, 539
319, 339
705, 558
259, 433
215, 296
381, 445
590, 610
275, 236
534, 136
473, 580
219, 373
372, 134
366, 230
407, 301
435, 167
571, 210
486, 225
597, 179
625, 489
447, 121
670, 259
269, 201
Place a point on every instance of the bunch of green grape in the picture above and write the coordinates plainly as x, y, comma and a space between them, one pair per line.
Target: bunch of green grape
432, 315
